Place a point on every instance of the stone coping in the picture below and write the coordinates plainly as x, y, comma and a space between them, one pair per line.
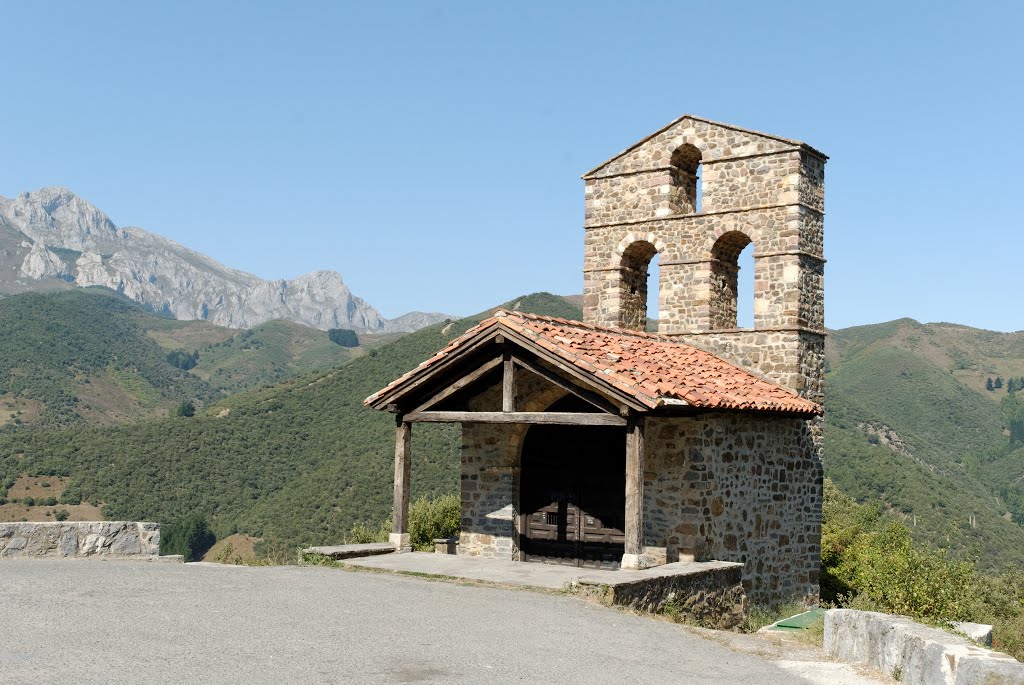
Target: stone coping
353, 551
678, 568
913, 653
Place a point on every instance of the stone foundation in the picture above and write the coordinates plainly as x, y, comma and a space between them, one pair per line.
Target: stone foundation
70, 539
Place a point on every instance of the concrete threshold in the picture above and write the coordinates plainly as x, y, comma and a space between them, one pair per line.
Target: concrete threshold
523, 574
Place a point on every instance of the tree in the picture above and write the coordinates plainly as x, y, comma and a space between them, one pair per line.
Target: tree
343, 337
1013, 417
189, 536
185, 408
988, 384
998, 382
183, 360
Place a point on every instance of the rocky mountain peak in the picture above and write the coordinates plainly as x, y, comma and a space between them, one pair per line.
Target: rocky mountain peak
51, 234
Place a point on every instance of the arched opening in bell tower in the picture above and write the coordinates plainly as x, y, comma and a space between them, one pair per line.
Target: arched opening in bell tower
634, 279
725, 302
685, 189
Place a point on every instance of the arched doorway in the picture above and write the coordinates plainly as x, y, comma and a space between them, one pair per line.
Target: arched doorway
573, 493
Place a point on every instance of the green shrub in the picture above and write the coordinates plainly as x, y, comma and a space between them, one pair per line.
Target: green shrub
189, 536
29, 501
61, 515
70, 497
48, 502
433, 518
362, 533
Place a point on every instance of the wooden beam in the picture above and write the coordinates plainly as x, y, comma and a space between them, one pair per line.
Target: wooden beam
459, 384
403, 476
634, 493
582, 393
536, 417
508, 384
439, 367
568, 369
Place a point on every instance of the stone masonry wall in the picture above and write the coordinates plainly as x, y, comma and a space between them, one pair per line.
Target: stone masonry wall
70, 539
737, 488
766, 188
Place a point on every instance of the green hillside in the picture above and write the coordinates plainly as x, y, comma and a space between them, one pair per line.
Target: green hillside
93, 357
231, 360
81, 356
910, 425
301, 461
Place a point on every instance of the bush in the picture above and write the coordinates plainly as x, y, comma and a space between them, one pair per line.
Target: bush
362, 533
61, 515
29, 501
70, 498
343, 337
433, 518
189, 536
48, 502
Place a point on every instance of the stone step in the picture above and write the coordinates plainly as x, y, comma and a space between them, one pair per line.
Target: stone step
368, 549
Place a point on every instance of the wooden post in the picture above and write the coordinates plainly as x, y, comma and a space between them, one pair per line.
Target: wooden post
632, 559
403, 475
508, 385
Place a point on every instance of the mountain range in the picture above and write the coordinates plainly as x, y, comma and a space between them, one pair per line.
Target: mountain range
51, 238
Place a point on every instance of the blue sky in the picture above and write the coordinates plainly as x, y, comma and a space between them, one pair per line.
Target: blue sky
431, 152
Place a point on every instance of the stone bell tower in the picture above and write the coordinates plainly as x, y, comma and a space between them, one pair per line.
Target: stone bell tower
698, 192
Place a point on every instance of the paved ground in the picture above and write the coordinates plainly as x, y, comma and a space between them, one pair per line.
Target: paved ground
134, 622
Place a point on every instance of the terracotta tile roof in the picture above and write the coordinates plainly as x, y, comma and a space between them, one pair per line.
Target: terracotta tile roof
655, 370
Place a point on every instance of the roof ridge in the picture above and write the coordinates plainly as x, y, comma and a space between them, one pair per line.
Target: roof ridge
734, 127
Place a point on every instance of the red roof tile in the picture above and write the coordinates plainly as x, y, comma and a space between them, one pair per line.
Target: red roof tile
655, 370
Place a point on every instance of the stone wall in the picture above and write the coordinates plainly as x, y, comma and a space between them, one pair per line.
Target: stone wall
710, 595
79, 539
740, 488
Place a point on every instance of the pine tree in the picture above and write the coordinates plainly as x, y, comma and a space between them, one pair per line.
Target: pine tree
988, 384
998, 382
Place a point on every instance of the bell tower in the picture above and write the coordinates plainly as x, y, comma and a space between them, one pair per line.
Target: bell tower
696, 193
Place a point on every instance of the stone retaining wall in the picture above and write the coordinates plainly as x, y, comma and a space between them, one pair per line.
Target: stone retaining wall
915, 654
79, 539
712, 597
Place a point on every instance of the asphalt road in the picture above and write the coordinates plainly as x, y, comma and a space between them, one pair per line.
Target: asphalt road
135, 622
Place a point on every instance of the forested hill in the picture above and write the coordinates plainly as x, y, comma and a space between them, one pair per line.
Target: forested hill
91, 356
82, 356
301, 461
911, 425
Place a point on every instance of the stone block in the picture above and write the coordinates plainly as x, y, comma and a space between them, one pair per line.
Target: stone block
919, 654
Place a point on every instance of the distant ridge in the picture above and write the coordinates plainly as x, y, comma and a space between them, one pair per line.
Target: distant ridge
51, 238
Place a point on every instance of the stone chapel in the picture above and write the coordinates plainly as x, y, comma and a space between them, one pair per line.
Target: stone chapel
595, 443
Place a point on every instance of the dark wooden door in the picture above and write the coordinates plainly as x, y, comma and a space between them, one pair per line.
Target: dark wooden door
573, 496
